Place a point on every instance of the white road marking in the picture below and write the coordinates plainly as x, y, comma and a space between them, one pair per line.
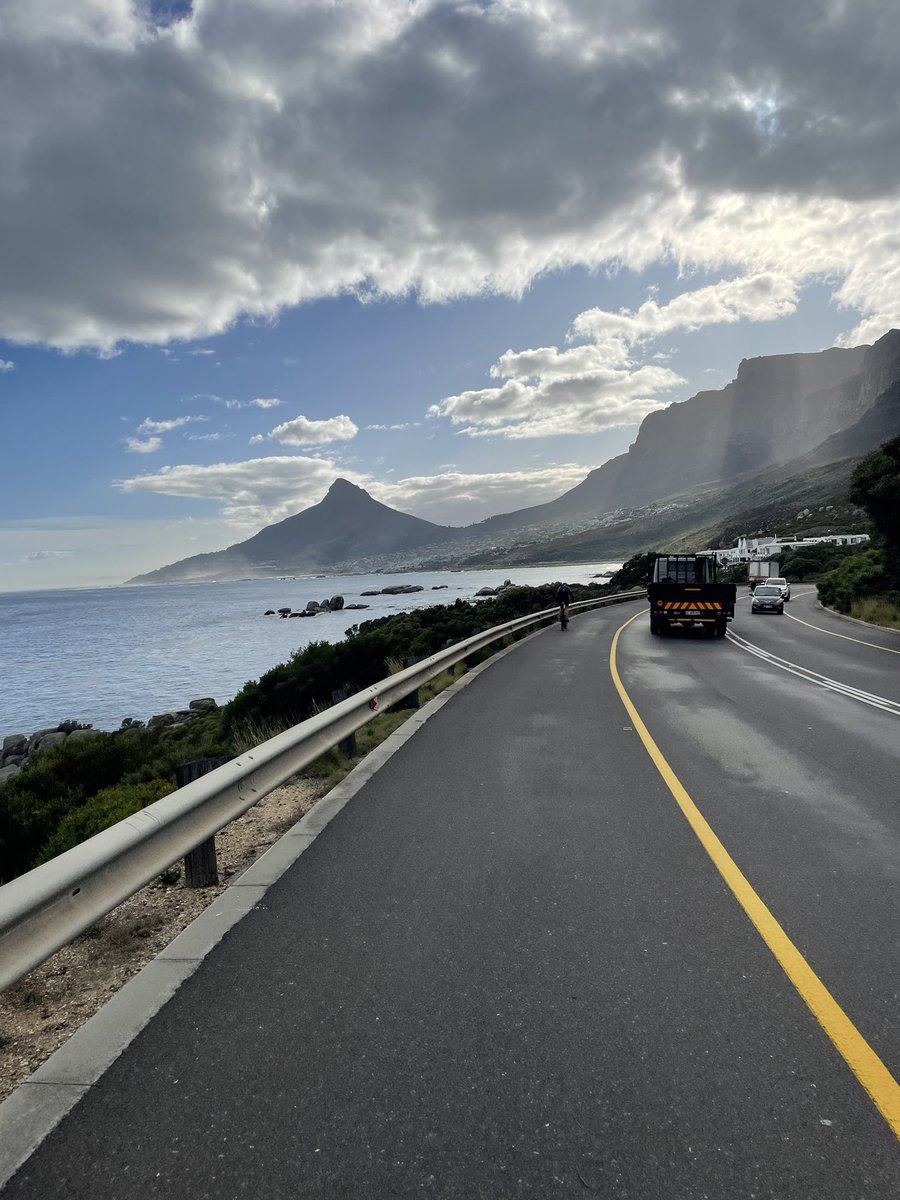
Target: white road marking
823, 681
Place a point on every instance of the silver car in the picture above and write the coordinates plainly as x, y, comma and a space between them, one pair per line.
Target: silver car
767, 598
779, 582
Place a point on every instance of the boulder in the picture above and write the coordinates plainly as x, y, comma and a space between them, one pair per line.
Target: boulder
161, 720
312, 606
13, 760
437, 586
7, 773
54, 738
36, 737
336, 603
348, 607
270, 612
80, 734
486, 591
401, 589
14, 743
204, 704
374, 592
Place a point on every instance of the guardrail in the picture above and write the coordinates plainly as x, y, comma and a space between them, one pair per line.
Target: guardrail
47, 907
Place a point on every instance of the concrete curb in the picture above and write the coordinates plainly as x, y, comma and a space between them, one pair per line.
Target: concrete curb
38, 1105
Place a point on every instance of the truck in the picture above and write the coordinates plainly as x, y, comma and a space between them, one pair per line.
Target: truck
759, 572
684, 590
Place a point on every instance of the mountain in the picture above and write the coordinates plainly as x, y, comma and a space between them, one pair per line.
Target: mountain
781, 438
347, 525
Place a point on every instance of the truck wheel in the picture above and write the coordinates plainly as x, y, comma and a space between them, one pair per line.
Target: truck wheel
654, 623
721, 626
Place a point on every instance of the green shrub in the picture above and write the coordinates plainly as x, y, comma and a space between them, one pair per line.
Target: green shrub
102, 810
857, 578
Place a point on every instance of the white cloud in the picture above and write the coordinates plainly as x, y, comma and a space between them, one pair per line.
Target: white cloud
461, 498
763, 297
148, 425
260, 402
143, 445
6, 364
447, 149
200, 353
602, 384
304, 432
257, 492
399, 425
42, 555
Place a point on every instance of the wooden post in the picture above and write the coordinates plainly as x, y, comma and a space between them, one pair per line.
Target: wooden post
348, 744
412, 700
200, 866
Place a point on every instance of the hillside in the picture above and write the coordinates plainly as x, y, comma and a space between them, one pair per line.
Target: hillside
347, 524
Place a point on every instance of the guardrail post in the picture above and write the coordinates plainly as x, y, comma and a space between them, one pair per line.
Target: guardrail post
411, 700
348, 744
201, 868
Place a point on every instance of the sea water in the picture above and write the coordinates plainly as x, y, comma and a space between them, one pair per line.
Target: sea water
98, 655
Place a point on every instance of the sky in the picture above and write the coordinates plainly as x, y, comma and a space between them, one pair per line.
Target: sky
451, 250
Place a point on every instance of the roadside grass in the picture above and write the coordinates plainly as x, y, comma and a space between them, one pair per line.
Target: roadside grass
877, 610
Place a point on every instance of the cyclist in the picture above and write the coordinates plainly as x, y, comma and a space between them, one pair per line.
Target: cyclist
564, 598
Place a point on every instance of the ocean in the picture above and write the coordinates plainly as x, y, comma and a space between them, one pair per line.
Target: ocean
98, 655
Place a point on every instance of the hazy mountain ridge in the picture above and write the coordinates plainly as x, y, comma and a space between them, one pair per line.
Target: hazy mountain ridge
695, 467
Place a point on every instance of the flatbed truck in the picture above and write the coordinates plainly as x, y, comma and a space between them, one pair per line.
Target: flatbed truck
684, 590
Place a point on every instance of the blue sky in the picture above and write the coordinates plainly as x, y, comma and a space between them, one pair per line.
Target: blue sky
451, 251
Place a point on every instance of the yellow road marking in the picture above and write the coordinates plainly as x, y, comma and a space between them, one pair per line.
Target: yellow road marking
848, 1041
845, 636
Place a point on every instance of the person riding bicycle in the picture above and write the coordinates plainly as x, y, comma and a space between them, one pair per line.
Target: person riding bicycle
564, 598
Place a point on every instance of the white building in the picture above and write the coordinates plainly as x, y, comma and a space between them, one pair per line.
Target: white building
751, 549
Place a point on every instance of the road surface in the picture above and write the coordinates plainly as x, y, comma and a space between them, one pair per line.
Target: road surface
510, 967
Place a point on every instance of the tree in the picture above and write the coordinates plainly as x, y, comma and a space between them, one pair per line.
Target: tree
875, 486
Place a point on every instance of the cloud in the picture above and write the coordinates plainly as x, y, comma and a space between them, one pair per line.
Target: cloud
254, 492
763, 297
602, 384
42, 555
200, 353
143, 445
260, 491
260, 402
304, 432
6, 365
148, 425
399, 425
439, 148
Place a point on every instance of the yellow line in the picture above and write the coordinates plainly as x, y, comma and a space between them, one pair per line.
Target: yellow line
848, 1041
845, 636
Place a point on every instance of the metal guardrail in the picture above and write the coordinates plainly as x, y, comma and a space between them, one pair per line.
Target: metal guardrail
46, 908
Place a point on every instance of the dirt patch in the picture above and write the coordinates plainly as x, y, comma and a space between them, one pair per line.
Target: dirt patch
41, 1011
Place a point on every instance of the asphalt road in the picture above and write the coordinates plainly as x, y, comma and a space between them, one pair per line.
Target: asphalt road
509, 968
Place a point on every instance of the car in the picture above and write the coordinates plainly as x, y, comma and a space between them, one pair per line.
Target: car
779, 582
767, 598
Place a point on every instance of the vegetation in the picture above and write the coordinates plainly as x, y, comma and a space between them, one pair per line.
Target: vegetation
868, 581
76, 789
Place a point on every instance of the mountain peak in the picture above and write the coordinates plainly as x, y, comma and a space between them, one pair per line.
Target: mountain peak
345, 487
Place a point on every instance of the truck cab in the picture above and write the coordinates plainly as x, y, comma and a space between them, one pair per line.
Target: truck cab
684, 590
